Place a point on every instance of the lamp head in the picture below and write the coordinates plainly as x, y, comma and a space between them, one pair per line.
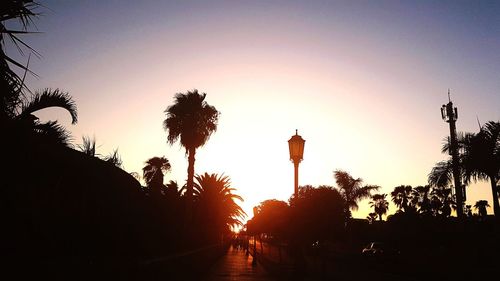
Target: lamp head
296, 147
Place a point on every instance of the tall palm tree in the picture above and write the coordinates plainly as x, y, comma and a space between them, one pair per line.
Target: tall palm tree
479, 160
153, 173
401, 196
379, 204
352, 190
441, 175
482, 159
481, 206
191, 120
216, 202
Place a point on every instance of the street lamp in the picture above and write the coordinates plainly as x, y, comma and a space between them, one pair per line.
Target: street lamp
254, 259
450, 115
296, 147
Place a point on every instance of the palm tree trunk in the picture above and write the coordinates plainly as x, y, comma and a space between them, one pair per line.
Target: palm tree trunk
494, 191
380, 217
190, 179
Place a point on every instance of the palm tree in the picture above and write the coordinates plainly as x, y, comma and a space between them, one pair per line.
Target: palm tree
372, 217
30, 127
441, 175
216, 203
191, 120
173, 190
442, 201
482, 159
352, 190
379, 204
17, 107
401, 196
479, 160
468, 210
481, 206
11, 85
153, 173
420, 198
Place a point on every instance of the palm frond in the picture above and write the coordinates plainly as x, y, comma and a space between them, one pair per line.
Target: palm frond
88, 146
441, 175
190, 120
50, 98
53, 132
114, 158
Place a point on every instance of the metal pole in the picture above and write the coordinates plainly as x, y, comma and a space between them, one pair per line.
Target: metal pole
455, 161
296, 184
451, 115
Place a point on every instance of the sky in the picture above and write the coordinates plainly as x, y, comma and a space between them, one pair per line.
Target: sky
361, 81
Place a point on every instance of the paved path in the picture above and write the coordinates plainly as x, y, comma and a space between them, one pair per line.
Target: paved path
237, 265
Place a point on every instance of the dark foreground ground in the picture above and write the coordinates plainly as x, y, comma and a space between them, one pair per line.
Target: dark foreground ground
466, 252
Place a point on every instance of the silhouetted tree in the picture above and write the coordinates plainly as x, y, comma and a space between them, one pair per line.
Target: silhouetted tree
153, 173
11, 85
401, 196
191, 120
217, 210
372, 217
317, 213
17, 103
29, 127
480, 207
441, 174
352, 190
482, 159
468, 210
479, 159
442, 201
272, 217
379, 204
420, 196
173, 190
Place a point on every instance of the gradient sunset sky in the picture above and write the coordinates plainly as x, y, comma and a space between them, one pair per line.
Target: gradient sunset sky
362, 81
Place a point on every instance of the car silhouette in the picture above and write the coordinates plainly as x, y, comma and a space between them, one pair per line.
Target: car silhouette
379, 249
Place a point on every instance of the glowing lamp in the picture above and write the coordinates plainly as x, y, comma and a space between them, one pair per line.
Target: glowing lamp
296, 147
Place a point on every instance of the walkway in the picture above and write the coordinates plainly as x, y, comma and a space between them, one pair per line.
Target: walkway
236, 265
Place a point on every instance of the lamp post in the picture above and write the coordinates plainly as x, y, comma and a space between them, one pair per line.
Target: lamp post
450, 115
254, 259
296, 147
